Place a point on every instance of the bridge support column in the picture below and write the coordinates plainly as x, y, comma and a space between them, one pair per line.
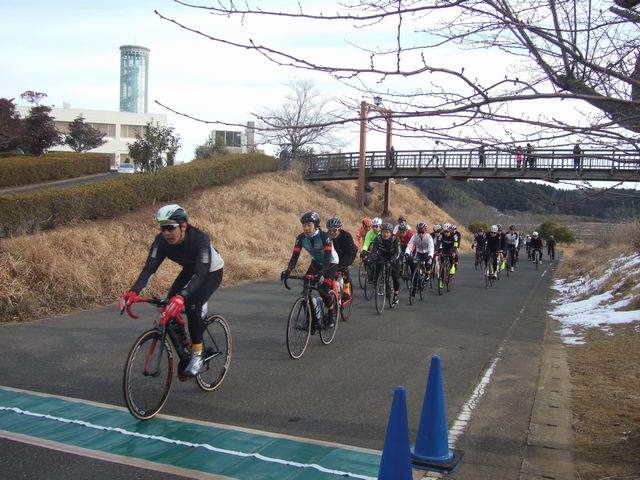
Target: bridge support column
387, 193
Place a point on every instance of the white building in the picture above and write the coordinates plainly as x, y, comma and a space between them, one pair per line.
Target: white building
235, 141
119, 128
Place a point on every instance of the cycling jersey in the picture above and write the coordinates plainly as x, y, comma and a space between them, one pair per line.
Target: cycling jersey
511, 239
493, 243
396, 229
536, 243
479, 241
456, 239
388, 250
345, 248
319, 246
404, 239
195, 254
361, 233
447, 245
371, 236
421, 244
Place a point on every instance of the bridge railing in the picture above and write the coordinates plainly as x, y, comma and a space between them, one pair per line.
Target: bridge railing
468, 159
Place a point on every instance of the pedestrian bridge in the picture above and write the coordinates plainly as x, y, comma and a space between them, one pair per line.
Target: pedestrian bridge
550, 165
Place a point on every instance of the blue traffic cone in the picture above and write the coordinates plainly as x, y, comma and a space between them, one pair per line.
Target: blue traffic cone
431, 451
396, 456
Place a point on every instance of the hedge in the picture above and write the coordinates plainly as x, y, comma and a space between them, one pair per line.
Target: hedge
45, 209
19, 170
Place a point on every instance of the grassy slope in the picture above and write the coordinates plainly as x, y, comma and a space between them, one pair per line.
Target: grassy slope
253, 223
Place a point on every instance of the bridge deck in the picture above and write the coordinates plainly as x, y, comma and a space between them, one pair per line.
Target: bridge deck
549, 165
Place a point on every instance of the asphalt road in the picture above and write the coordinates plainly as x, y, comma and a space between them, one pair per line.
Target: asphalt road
339, 393
65, 183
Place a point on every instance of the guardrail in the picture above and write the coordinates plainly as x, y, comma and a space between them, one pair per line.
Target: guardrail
542, 163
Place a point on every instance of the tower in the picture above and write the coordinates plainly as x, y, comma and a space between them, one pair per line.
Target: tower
134, 78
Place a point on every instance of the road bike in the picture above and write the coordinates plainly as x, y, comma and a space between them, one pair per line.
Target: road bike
362, 271
405, 271
537, 257
511, 258
383, 287
436, 272
306, 317
489, 270
345, 304
479, 258
148, 372
444, 282
419, 281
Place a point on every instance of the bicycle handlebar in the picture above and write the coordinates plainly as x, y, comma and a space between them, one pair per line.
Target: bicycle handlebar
158, 302
297, 277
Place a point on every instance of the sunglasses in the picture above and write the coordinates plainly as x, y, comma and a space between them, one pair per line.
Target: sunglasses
333, 230
168, 228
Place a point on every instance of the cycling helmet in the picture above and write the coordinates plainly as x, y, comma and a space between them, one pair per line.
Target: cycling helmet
334, 223
550, 236
499, 226
402, 219
386, 226
528, 236
480, 230
453, 226
310, 216
366, 222
446, 227
494, 228
437, 228
512, 227
534, 234
421, 227
376, 222
402, 227
171, 214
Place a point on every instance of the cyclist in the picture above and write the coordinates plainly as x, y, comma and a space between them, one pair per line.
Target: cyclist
371, 235
420, 247
551, 247
456, 243
446, 246
511, 239
494, 246
404, 234
386, 248
536, 244
479, 241
346, 250
402, 220
527, 246
324, 260
201, 275
362, 231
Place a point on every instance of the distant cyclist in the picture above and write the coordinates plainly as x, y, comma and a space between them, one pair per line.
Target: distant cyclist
346, 250
527, 246
511, 239
201, 275
536, 245
386, 248
362, 231
371, 235
420, 247
494, 246
551, 247
402, 220
404, 234
324, 260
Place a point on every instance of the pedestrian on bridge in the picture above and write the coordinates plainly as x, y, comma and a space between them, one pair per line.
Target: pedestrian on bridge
531, 158
519, 156
481, 154
577, 156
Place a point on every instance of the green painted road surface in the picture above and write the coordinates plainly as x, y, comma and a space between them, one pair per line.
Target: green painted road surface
199, 447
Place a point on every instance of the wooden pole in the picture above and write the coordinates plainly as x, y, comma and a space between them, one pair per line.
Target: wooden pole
363, 146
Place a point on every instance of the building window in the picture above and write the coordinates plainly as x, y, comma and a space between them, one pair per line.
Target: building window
228, 139
129, 131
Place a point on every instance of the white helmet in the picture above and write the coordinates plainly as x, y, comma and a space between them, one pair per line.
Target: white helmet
376, 222
534, 234
494, 228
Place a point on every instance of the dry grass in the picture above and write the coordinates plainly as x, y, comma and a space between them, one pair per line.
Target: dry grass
253, 223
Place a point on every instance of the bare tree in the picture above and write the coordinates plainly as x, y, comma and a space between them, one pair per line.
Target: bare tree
304, 122
583, 52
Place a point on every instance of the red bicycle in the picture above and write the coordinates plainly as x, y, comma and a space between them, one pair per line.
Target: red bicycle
148, 372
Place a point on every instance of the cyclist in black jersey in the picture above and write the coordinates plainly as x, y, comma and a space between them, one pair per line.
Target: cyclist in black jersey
201, 275
324, 261
387, 248
346, 250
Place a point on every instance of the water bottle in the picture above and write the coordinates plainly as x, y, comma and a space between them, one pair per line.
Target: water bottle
340, 284
317, 308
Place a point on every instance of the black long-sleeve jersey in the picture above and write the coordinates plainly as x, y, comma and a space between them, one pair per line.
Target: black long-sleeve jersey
448, 244
536, 242
494, 243
389, 250
346, 249
195, 254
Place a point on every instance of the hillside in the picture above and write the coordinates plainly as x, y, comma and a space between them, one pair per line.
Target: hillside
253, 222
510, 195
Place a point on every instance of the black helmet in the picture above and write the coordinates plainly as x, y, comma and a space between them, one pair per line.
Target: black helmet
402, 219
310, 216
334, 223
386, 226
171, 214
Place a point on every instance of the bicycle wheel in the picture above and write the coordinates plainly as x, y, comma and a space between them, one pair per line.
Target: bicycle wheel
298, 328
328, 334
508, 263
148, 375
447, 275
362, 274
389, 290
217, 353
345, 309
380, 293
487, 273
415, 285
423, 282
537, 259
370, 286
406, 273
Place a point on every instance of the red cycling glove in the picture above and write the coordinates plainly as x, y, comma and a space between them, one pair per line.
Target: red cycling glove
127, 299
175, 306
